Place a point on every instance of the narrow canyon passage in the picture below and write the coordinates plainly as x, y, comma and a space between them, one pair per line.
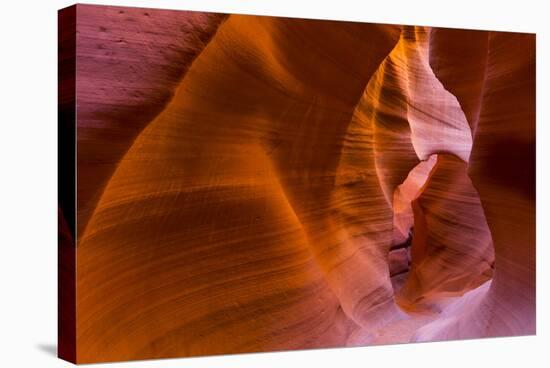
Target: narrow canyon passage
443, 246
302, 184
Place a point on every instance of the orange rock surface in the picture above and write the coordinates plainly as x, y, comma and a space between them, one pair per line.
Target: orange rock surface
250, 183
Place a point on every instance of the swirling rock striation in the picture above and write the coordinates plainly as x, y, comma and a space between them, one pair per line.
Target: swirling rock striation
250, 183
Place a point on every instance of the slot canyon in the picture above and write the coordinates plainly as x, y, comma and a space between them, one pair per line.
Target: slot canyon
252, 183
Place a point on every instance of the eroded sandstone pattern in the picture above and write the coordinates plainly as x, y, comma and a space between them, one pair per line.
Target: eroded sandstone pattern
252, 183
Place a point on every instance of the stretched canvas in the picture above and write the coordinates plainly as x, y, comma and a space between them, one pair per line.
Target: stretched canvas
239, 183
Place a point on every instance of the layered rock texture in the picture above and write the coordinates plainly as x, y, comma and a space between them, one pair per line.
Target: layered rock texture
248, 183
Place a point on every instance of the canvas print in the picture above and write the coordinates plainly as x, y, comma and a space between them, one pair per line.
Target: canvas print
239, 183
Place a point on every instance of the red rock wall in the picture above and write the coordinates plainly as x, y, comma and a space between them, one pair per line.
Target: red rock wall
252, 183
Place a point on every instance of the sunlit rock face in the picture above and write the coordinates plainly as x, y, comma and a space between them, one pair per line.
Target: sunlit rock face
251, 183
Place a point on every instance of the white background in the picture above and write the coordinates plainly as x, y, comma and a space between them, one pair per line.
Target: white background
28, 182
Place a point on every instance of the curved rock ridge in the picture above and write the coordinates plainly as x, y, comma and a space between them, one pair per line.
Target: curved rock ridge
129, 62
458, 57
437, 122
412, 114
502, 168
252, 183
246, 181
403, 196
447, 259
